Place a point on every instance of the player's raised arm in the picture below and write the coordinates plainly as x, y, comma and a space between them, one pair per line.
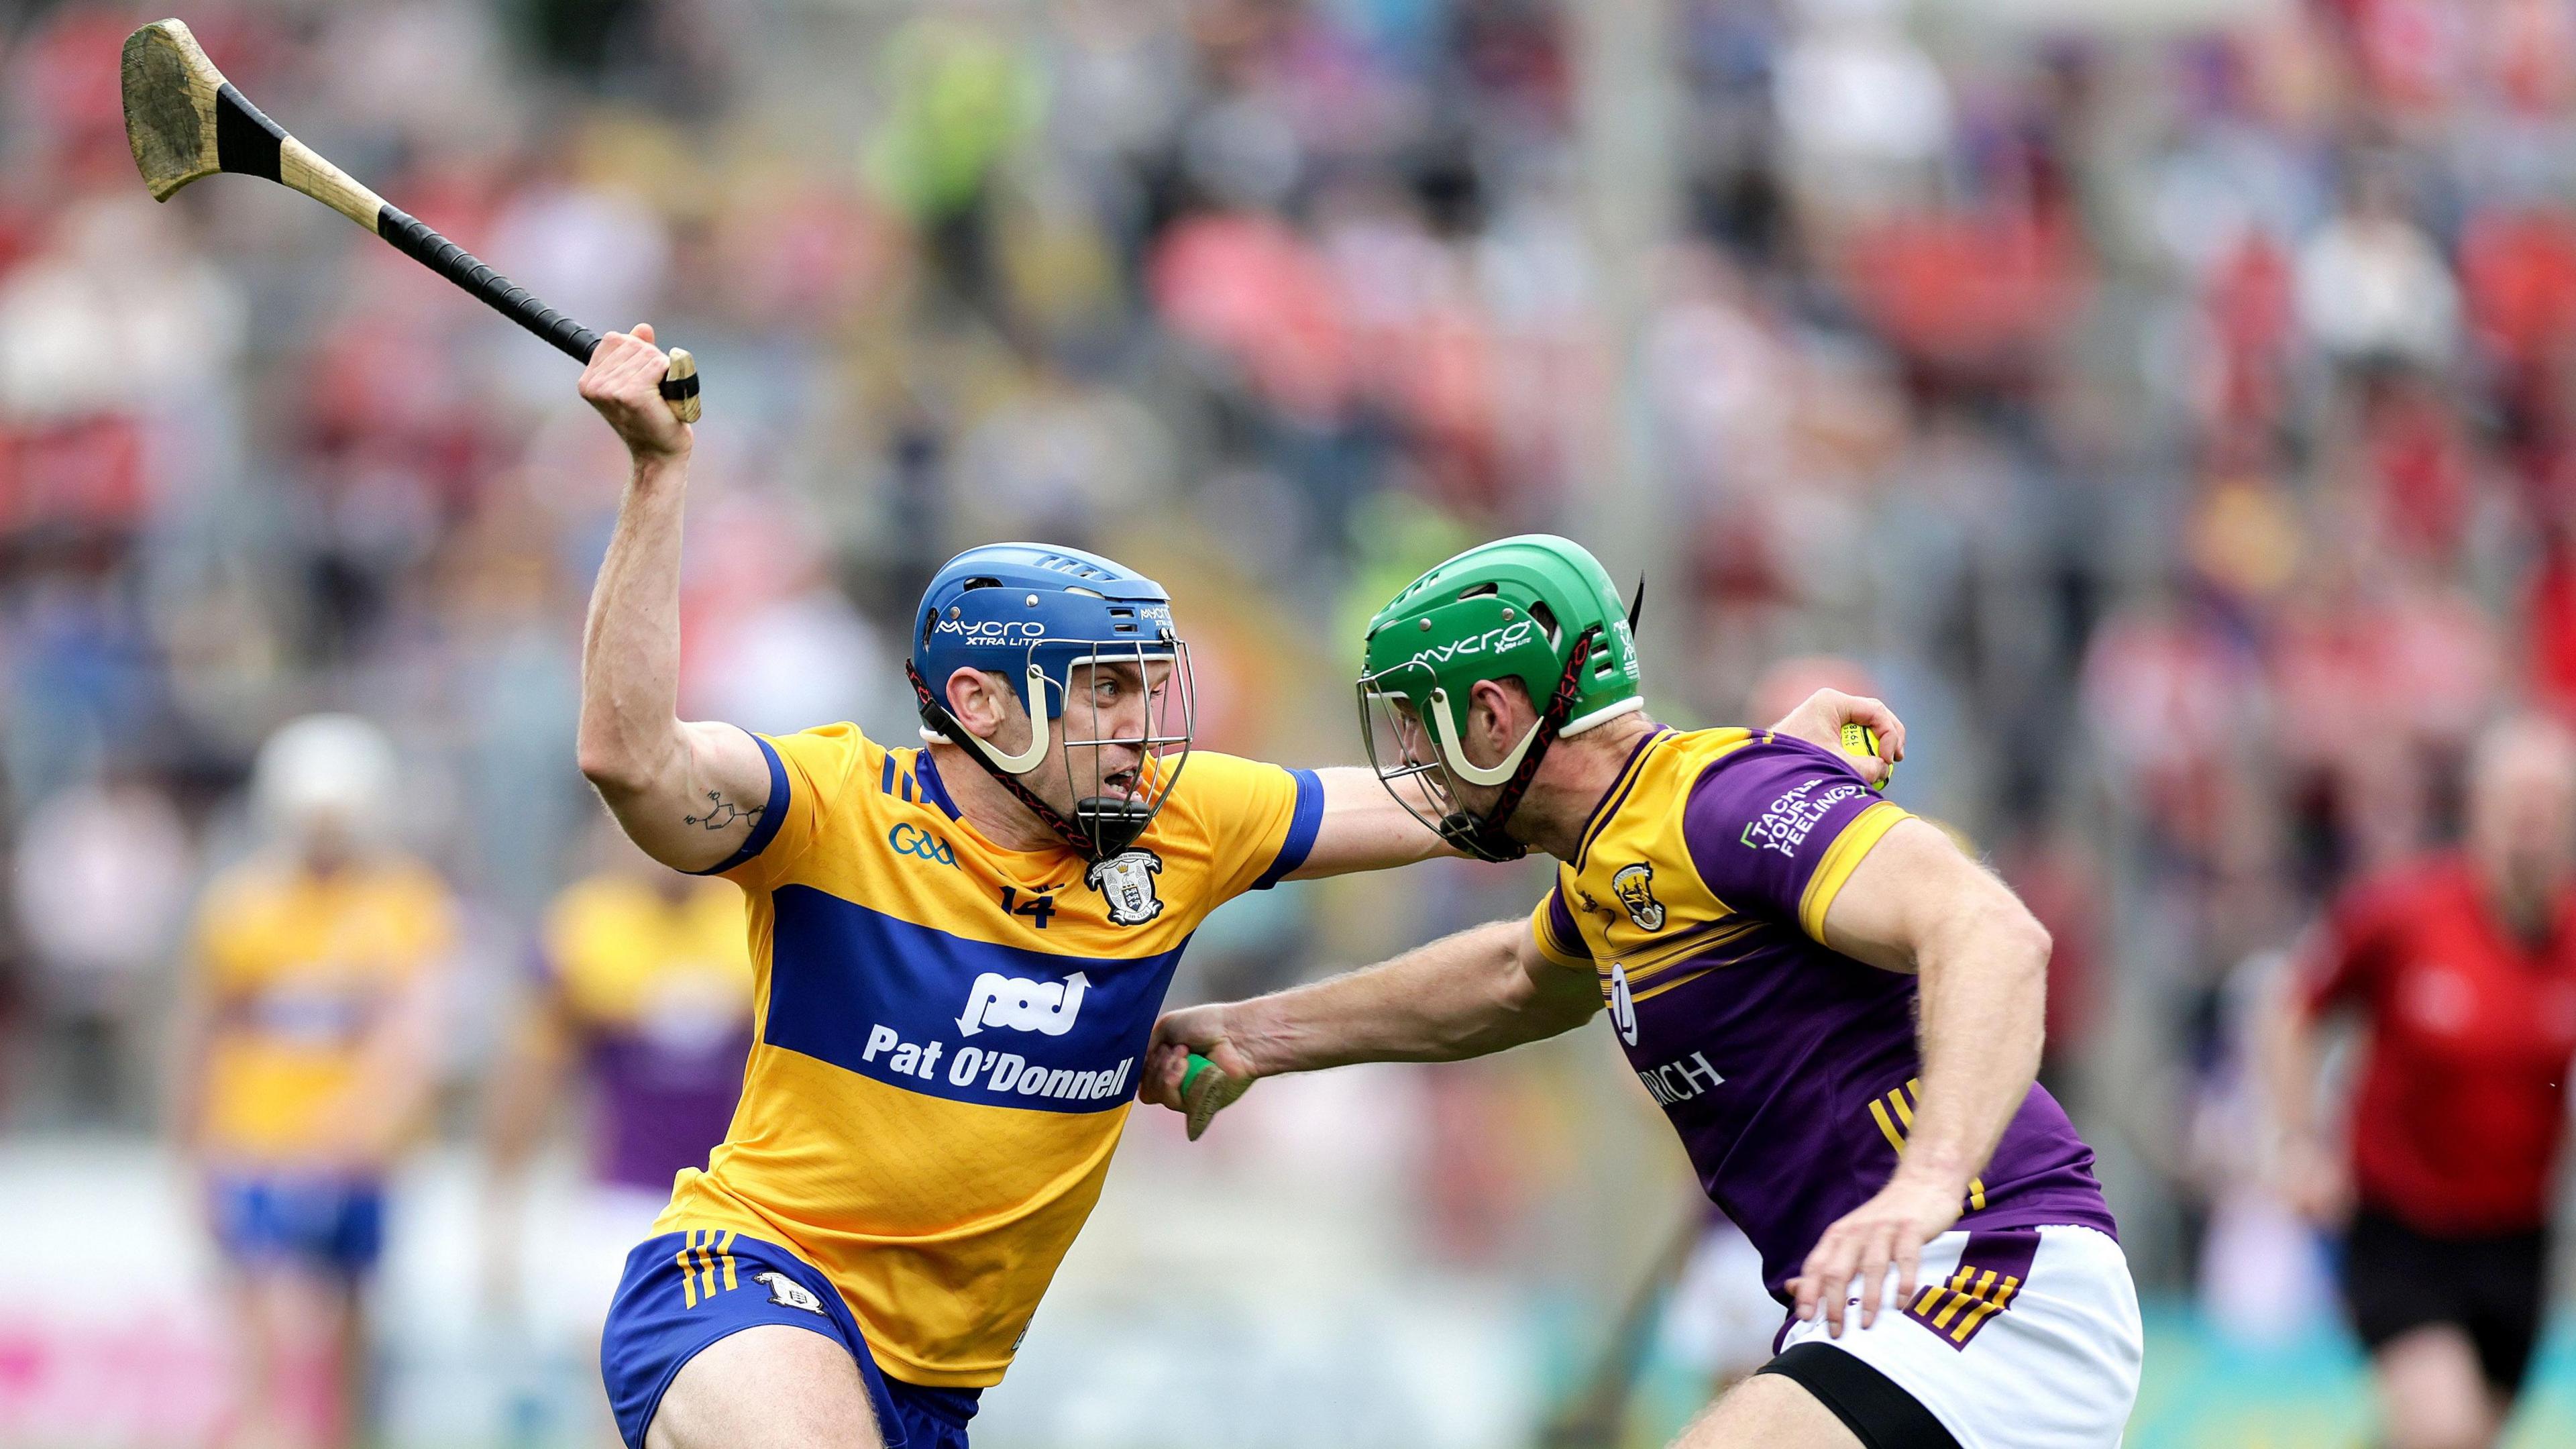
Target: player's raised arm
688, 793
1917, 903
1482, 990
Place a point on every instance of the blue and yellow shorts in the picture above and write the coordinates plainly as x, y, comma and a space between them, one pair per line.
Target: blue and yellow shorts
684, 1291
320, 1223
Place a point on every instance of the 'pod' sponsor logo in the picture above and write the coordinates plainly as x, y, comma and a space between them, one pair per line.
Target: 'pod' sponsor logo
1016, 1002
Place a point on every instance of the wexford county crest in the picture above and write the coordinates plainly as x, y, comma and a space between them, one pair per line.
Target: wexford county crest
1636, 887
1126, 882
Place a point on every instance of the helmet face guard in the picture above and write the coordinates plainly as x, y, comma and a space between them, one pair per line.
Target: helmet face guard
1111, 815
1072, 689
1407, 723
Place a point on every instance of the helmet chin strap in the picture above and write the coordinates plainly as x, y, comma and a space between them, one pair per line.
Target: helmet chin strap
1110, 835
1484, 836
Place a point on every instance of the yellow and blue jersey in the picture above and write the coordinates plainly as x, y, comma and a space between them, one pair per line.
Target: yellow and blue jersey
297, 968
947, 1033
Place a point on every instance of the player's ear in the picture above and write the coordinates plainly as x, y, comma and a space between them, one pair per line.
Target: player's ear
981, 703
975, 700
1494, 720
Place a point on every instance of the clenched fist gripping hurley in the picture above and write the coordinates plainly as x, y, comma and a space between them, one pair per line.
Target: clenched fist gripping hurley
184, 121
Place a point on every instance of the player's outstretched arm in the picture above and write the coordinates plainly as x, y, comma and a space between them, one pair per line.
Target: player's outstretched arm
1479, 991
1366, 827
1917, 903
688, 793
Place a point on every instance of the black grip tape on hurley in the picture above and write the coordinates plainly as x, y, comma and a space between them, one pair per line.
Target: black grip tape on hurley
414, 238
247, 142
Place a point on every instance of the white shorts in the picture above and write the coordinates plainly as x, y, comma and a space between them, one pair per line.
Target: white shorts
2032, 1343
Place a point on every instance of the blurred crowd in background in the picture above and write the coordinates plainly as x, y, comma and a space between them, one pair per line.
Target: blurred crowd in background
2171, 407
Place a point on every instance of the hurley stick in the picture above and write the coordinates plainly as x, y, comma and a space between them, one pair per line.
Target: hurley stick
184, 121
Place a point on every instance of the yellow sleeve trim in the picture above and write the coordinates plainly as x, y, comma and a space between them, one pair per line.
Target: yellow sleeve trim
1548, 946
1841, 859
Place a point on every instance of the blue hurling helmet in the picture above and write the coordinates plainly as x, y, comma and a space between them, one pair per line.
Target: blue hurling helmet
1050, 620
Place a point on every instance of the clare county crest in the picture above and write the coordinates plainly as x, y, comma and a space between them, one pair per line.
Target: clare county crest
1126, 882
1635, 885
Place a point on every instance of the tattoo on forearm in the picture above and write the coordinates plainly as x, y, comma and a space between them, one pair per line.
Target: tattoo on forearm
723, 813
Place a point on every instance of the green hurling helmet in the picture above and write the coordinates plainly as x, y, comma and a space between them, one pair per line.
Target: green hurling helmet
1537, 608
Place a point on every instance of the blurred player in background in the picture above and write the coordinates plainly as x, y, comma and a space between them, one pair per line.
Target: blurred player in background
306, 1061
644, 1002
2461, 964
959, 951
1763, 929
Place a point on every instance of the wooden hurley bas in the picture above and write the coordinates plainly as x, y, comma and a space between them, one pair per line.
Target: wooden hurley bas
184, 121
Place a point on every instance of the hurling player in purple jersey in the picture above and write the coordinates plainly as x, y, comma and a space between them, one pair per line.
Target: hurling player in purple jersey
1838, 1010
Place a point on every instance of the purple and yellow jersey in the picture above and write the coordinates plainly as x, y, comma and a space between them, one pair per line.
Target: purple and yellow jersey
297, 969
1698, 897
947, 1033
658, 985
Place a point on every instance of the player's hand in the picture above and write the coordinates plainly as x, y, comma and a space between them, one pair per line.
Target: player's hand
624, 381
1819, 720
1885, 1233
1200, 1029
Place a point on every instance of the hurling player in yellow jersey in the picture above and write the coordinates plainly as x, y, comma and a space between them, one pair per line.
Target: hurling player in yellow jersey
306, 1038
959, 948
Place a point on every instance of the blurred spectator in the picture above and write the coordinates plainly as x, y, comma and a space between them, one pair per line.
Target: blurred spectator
1865, 113
2373, 288
100, 900
307, 1047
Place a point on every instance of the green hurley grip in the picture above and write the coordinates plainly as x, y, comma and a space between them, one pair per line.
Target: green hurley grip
1207, 1089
